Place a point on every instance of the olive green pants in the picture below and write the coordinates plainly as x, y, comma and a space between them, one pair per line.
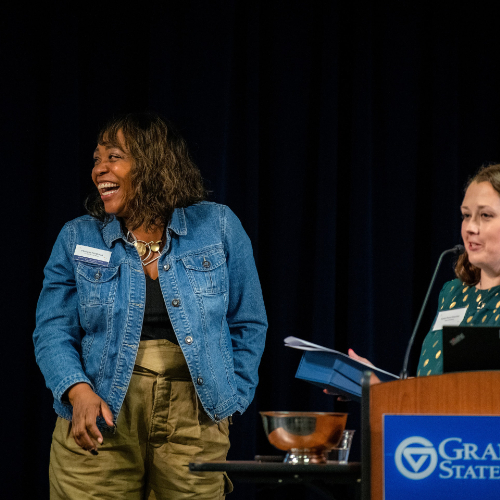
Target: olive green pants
160, 429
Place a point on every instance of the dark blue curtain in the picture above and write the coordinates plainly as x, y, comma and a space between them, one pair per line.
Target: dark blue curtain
341, 134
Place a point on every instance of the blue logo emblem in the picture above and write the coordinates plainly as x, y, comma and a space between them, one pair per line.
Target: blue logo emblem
441, 457
416, 456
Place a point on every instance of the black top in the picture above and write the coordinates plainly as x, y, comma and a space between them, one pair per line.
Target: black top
156, 323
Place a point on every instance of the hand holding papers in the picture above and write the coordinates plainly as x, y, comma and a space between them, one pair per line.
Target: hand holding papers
333, 370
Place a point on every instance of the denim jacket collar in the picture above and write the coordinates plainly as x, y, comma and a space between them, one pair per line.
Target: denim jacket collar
178, 222
113, 231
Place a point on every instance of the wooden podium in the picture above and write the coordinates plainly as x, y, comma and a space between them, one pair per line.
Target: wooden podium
464, 393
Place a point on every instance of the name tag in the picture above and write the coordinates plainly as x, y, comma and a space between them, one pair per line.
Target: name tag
92, 255
449, 318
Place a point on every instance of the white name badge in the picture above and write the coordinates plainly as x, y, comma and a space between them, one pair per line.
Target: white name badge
449, 318
92, 255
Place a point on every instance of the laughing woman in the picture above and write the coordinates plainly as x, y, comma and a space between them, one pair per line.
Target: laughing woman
150, 325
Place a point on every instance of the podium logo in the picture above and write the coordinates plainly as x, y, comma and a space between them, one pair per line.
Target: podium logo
416, 457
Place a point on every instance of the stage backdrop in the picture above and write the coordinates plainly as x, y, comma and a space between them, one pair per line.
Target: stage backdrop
341, 134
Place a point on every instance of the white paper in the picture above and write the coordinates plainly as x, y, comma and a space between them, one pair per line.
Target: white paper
304, 345
453, 317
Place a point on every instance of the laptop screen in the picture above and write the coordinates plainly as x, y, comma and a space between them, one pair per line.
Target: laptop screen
471, 348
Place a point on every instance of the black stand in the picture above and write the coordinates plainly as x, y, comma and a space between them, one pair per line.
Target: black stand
323, 479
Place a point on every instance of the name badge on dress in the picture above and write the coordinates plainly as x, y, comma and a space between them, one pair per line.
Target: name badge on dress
449, 318
92, 255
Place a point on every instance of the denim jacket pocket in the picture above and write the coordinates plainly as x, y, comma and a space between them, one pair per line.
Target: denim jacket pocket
207, 271
96, 285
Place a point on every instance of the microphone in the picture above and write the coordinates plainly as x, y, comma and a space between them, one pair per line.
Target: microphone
457, 249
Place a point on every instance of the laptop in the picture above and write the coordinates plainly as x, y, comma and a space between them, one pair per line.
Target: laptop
471, 348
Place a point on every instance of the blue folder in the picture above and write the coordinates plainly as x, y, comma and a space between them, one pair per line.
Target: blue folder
340, 374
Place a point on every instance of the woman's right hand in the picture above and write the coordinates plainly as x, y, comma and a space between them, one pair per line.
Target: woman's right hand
373, 379
353, 355
87, 406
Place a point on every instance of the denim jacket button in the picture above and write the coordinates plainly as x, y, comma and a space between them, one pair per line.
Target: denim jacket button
206, 263
97, 275
176, 302
199, 381
166, 267
188, 339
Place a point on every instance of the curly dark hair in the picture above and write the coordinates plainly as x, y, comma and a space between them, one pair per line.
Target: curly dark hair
163, 176
464, 270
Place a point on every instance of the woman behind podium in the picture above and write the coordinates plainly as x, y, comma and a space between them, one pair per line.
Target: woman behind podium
475, 292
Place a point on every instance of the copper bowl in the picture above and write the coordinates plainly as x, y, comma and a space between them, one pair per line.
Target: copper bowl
305, 436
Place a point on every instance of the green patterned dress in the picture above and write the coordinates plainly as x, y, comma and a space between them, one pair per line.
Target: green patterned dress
483, 309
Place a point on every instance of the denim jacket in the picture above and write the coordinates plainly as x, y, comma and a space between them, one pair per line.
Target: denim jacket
89, 316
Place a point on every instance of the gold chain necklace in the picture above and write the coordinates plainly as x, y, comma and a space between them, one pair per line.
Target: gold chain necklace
145, 250
480, 299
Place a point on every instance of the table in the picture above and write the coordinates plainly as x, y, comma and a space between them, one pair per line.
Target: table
328, 480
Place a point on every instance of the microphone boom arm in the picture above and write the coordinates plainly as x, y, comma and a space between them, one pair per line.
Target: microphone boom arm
456, 249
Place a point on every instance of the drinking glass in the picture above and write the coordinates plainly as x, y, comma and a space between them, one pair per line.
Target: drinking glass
340, 454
